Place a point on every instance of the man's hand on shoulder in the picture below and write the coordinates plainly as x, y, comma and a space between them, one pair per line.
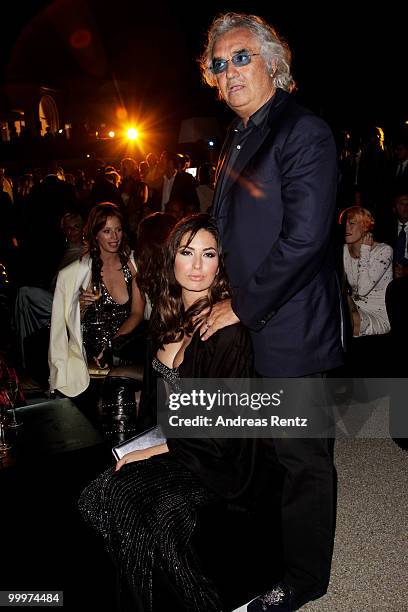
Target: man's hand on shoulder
221, 315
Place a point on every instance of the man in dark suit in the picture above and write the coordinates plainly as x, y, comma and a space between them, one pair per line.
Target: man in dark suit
174, 184
400, 170
43, 242
274, 202
394, 231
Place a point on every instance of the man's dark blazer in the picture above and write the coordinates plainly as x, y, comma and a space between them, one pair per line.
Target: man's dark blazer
386, 230
275, 213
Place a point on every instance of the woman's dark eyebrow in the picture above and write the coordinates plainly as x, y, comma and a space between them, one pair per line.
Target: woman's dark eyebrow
187, 246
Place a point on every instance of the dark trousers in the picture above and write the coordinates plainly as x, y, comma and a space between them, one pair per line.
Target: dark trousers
307, 510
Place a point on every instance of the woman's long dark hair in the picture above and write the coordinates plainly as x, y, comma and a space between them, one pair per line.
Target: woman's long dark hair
170, 321
152, 234
97, 221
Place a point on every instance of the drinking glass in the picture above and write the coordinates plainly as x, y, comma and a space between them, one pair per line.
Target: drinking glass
4, 446
12, 392
96, 290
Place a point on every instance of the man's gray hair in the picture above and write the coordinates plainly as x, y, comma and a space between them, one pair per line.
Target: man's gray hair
272, 48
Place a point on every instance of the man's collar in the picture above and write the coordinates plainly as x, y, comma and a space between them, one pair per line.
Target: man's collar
258, 118
261, 116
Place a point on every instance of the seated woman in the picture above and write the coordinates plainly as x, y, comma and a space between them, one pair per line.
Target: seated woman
146, 509
368, 269
96, 303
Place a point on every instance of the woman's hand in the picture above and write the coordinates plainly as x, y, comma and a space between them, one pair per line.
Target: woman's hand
86, 298
368, 239
102, 366
220, 316
140, 455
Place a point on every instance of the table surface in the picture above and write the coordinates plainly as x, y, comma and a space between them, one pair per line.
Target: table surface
49, 428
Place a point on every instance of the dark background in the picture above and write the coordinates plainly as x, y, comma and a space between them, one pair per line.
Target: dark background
349, 59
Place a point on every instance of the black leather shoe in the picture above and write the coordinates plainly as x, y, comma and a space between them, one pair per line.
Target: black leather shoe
280, 598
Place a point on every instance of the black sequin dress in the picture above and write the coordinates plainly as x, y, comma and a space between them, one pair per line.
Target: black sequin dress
104, 317
147, 511
146, 514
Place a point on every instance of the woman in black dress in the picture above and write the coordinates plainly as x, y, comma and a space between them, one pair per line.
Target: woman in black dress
146, 509
112, 305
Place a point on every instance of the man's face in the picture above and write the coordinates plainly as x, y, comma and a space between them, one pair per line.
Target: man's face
246, 88
401, 207
401, 152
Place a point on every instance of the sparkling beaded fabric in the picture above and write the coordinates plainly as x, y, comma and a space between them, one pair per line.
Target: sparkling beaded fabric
273, 597
169, 375
102, 321
146, 514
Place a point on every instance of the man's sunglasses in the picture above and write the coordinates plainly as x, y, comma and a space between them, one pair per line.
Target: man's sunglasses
241, 58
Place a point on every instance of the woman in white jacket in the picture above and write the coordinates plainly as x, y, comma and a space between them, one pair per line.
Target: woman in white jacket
96, 302
368, 268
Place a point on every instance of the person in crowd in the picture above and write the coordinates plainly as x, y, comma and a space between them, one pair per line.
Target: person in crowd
176, 208
6, 184
33, 304
97, 303
275, 202
173, 183
113, 177
146, 509
72, 226
401, 243
400, 167
143, 170
368, 269
394, 231
104, 190
373, 170
8, 227
43, 243
205, 189
187, 162
25, 184
134, 193
153, 171
69, 178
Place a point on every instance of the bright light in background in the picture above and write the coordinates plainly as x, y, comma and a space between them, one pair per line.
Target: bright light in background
132, 134
60, 131
111, 134
380, 133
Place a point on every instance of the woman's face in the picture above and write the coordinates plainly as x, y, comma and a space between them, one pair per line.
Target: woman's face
354, 230
196, 265
110, 236
72, 229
